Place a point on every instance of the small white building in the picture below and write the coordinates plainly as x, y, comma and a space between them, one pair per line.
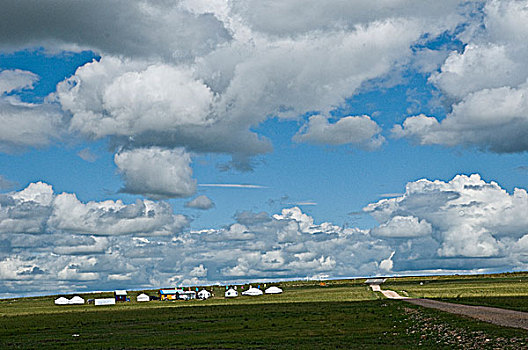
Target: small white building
142, 297
61, 301
76, 300
273, 290
105, 301
252, 292
231, 293
187, 295
204, 294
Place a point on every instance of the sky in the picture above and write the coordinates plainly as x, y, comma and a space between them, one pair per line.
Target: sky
157, 143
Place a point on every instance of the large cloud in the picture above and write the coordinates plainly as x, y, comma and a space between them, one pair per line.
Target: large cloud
119, 97
147, 28
25, 124
156, 173
467, 217
212, 103
203, 75
142, 104
486, 84
38, 210
113, 217
26, 211
296, 17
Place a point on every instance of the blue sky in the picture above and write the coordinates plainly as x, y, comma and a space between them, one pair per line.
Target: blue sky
285, 141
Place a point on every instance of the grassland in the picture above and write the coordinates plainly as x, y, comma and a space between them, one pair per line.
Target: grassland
508, 290
342, 314
295, 292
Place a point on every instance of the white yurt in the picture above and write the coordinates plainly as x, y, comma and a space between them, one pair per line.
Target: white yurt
61, 301
142, 297
204, 294
273, 290
231, 293
76, 300
252, 292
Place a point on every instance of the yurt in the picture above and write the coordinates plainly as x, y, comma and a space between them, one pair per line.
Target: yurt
76, 300
252, 292
142, 297
61, 301
204, 294
231, 293
273, 290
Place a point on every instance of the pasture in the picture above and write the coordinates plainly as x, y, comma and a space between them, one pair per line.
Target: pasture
341, 314
507, 290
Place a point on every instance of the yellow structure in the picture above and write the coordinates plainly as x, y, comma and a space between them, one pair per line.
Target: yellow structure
169, 294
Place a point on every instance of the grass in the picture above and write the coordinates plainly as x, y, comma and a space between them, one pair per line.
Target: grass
342, 314
295, 292
508, 290
303, 325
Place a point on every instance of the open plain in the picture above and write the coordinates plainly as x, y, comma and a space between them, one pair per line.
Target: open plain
309, 314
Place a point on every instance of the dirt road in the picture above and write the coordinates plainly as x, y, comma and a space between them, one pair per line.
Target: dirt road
501, 317
389, 294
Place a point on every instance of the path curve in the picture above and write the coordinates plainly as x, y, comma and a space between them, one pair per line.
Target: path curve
389, 294
501, 317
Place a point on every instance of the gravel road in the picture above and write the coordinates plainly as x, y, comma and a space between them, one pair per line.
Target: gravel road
390, 294
501, 317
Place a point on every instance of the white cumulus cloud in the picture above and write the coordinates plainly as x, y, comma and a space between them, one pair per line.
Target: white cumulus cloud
201, 202
403, 227
156, 172
467, 217
486, 84
16, 79
360, 131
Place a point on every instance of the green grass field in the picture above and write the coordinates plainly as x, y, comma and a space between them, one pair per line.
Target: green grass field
509, 290
342, 314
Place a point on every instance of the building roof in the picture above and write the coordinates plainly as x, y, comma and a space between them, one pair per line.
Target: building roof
143, 297
120, 292
231, 292
62, 301
76, 300
187, 292
375, 280
252, 291
273, 290
170, 291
